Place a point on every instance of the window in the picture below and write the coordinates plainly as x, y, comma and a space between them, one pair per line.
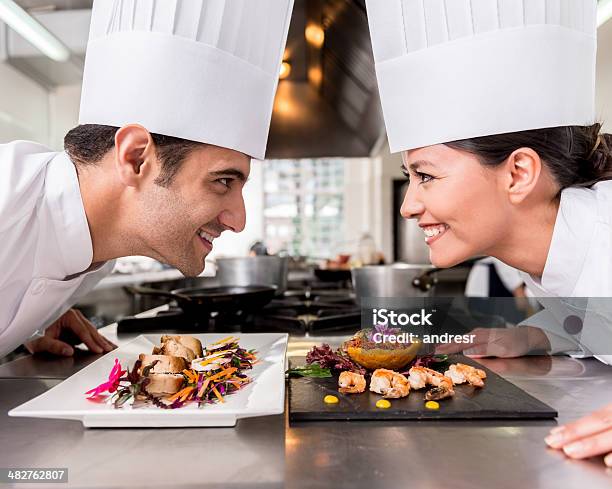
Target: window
304, 206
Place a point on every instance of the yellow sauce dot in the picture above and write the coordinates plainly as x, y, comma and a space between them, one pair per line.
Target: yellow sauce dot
330, 399
432, 405
383, 404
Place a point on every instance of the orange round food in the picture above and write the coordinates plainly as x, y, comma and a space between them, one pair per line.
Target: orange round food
366, 352
392, 359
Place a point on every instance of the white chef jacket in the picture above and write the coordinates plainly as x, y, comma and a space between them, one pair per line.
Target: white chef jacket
576, 285
45, 244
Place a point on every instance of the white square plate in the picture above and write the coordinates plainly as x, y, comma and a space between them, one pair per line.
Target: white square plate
264, 396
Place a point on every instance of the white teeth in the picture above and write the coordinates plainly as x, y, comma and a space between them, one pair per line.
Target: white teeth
206, 236
432, 231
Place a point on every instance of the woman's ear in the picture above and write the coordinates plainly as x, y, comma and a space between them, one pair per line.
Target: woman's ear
133, 147
524, 167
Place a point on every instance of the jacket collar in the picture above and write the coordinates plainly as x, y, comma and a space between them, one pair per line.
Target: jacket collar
63, 196
571, 242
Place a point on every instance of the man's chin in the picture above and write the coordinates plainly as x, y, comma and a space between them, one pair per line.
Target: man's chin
190, 270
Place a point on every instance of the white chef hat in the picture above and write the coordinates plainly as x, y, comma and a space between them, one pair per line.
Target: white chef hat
456, 69
202, 70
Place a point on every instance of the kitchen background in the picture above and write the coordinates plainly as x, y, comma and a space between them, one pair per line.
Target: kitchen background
330, 187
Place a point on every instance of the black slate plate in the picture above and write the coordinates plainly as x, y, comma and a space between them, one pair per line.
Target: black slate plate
499, 399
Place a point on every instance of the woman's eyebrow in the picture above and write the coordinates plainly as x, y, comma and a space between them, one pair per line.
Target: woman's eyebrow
417, 164
230, 172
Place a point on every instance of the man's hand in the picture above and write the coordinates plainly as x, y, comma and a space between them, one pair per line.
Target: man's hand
587, 437
77, 328
500, 342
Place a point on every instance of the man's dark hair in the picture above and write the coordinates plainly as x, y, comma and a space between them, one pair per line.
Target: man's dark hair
88, 143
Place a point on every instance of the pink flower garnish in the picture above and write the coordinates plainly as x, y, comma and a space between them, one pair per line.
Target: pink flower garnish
113, 381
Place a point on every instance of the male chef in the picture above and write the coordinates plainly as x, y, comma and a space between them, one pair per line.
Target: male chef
176, 100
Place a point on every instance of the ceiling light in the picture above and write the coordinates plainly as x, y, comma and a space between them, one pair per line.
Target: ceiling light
32, 31
315, 35
285, 69
604, 12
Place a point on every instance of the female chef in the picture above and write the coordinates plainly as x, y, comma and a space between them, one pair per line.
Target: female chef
492, 107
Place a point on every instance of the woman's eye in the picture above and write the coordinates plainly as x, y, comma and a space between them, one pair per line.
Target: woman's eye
424, 177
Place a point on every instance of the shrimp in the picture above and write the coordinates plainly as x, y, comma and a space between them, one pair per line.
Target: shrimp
460, 373
351, 383
443, 386
417, 378
390, 384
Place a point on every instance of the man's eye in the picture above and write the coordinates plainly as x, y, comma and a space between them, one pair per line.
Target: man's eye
225, 181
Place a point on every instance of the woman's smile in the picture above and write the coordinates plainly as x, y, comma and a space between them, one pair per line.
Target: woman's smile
433, 232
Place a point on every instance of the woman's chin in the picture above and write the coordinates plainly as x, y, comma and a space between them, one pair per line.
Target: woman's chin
445, 260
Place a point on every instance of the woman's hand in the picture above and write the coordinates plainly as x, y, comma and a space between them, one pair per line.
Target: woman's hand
500, 342
587, 437
76, 326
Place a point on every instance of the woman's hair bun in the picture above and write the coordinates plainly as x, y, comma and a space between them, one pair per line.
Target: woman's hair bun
600, 157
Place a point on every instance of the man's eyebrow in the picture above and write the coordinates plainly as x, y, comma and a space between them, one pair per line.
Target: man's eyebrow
230, 172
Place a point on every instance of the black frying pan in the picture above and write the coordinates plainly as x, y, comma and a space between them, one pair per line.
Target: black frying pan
332, 275
204, 300
427, 279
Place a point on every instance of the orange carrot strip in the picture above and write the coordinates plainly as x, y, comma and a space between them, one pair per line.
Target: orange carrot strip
203, 388
215, 376
174, 397
220, 353
216, 392
227, 338
206, 362
223, 373
230, 371
191, 377
187, 394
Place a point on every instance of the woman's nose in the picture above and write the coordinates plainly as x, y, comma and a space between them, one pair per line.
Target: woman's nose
412, 207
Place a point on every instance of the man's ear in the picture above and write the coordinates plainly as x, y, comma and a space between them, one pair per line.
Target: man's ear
134, 149
523, 169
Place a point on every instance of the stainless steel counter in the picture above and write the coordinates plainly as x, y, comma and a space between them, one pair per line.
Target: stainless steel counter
266, 452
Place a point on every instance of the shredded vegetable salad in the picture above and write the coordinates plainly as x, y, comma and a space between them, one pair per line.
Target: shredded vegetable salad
218, 373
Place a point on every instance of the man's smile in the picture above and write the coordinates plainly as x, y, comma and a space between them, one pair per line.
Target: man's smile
206, 238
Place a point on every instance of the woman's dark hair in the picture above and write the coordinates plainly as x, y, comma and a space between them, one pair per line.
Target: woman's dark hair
88, 143
576, 156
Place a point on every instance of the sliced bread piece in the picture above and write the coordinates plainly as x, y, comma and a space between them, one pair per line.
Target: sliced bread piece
164, 384
176, 349
166, 364
190, 342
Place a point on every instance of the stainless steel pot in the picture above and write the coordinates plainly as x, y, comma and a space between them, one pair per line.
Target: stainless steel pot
397, 280
254, 270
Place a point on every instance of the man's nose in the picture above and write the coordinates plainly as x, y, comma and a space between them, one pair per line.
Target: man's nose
412, 207
234, 217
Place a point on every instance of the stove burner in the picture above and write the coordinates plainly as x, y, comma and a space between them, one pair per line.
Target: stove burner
299, 311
